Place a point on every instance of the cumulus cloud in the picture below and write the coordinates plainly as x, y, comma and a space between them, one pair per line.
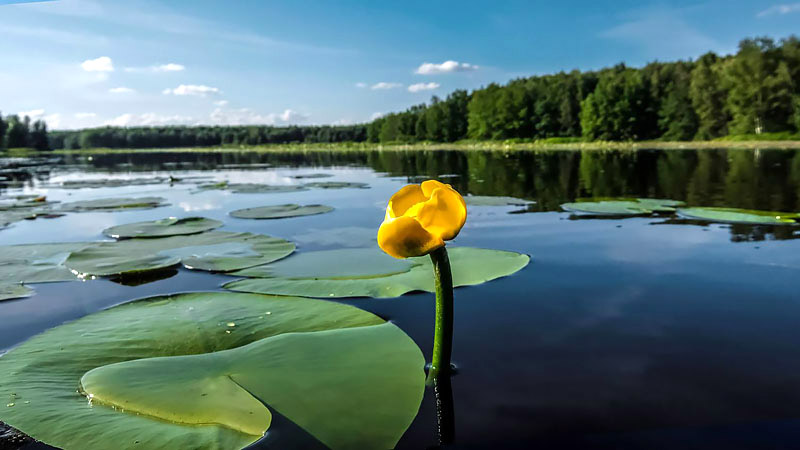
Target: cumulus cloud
246, 116
149, 119
170, 67
419, 87
786, 8
53, 120
121, 90
361, 85
85, 115
33, 114
101, 64
386, 85
192, 89
445, 67
376, 115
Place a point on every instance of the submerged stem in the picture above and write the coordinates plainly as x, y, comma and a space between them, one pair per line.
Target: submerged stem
443, 332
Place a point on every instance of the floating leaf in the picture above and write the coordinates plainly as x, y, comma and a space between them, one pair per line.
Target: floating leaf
484, 200
251, 188
312, 175
187, 371
12, 291
622, 207
162, 228
280, 211
111, 204
37, 263
336, 185
216, 251
113, 182
371, 273
744, 216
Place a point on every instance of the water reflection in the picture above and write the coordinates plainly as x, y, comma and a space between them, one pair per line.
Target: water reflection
751, 179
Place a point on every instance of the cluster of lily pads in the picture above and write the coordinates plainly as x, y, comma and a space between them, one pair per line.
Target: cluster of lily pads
214, 369
647, 206
30, 207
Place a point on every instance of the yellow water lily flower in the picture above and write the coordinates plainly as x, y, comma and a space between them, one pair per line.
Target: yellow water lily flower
420, 218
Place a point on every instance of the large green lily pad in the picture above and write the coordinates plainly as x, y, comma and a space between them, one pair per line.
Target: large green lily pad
280, 211
744, 216
485, 200
37, 263
206, 370
623, 207
251, 188
216, 251
371, 273
113, 204
171, 226
11, 291
336, 185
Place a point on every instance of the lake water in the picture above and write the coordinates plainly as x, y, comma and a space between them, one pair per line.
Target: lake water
634, 333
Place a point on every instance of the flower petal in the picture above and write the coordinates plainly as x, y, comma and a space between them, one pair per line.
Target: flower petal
431, 185
404, 199
444, 214
404, 237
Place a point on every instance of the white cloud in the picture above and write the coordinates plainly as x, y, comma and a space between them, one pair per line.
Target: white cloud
192, 89
246, 116
361, 85
786, 8
121, 90
386, 85
419, 87
445, 67
170, 67
53, 121
376, 115
101, 64
342, 122
33, 114
85, 115
221, 103
149, 119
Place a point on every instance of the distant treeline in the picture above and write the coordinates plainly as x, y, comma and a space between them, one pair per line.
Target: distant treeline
20, 132
203, 136
755, 91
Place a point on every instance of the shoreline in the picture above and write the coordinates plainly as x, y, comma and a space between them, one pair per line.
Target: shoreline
456, 146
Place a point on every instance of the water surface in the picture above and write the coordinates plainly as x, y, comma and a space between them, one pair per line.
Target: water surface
635, 333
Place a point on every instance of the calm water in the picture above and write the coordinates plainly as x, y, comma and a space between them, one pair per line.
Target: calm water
638, 333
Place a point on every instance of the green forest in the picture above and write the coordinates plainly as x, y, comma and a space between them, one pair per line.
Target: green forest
753, 92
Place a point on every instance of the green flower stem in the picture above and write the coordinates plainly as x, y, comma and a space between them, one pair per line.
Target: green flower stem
443, 334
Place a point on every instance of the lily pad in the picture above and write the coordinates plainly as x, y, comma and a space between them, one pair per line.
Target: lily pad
111, 182
206, 370
336, 185
113, 204
251, 188
484, 200
161, 228
280, 211
744, 216
216, 251
313, 175
37, 263
623, 207
371, 273
12, 291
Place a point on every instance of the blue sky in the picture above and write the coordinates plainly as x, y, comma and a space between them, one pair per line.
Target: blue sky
82, 63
